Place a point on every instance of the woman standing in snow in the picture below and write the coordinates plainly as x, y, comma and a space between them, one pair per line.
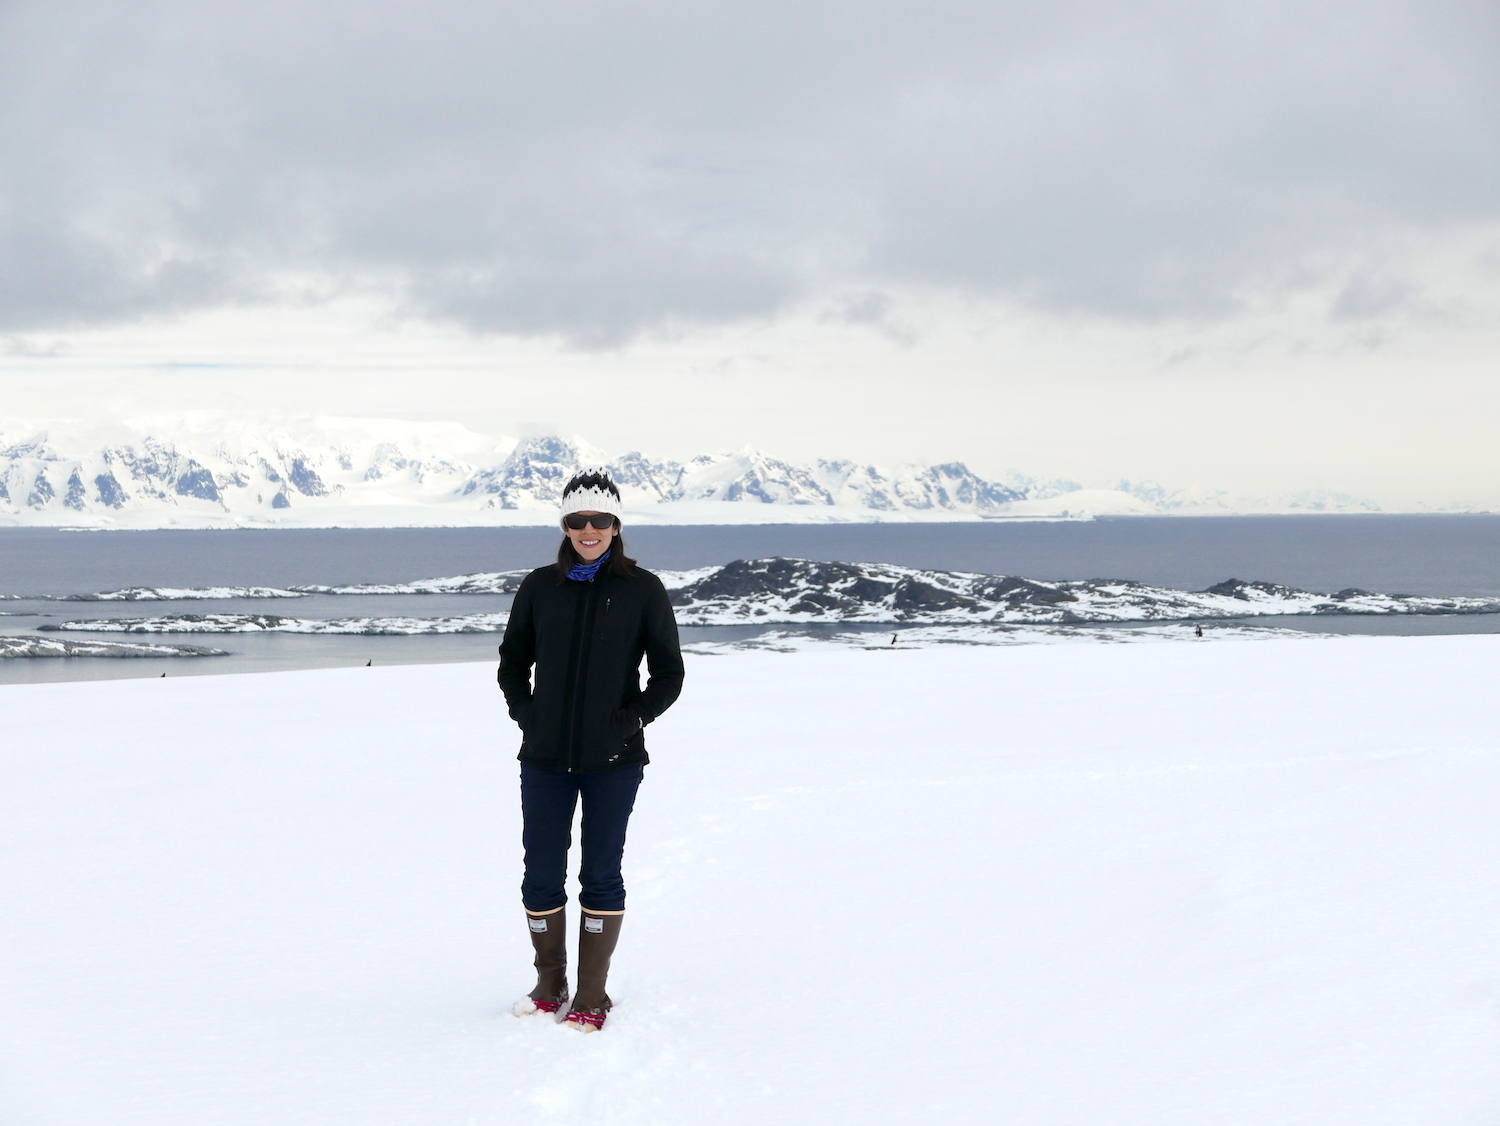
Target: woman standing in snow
570, 669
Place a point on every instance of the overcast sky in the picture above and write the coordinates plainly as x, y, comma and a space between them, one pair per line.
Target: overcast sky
1253, 246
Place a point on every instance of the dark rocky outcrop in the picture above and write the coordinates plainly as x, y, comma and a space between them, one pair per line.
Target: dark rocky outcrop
110, 492
1239, 588
75, 496
305, 479
801, 590
199, 483
852, 590
917, 597
41, 492
1020, 592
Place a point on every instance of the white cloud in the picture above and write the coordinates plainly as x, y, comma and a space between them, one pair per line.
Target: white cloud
1218, 245
592, 170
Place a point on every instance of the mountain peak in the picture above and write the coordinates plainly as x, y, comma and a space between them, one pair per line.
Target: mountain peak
221, 470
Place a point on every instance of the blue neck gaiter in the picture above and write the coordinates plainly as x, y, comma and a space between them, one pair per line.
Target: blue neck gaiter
583, 572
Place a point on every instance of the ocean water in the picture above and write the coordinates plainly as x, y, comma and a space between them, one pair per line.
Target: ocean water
1426, 555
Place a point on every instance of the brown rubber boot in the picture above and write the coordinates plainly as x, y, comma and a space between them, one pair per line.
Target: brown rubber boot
549, 938
597, 935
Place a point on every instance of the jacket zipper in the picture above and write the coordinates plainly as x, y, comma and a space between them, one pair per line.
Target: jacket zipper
580, 666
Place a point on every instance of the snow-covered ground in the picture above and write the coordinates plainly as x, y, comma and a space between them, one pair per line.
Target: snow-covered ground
1174, 884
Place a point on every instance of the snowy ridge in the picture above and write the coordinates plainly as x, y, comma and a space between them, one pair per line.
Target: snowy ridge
802, 591
331, 472
492, 582
272, 623
64, 647
176, 594
485, 582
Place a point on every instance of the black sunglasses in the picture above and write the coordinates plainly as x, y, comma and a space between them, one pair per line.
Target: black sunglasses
578, 521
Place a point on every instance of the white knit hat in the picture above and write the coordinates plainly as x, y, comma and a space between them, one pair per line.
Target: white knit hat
592, 492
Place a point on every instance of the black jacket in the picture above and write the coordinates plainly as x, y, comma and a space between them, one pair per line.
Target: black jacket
583, 710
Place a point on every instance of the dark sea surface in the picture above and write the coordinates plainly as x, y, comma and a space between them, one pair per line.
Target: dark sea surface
1423, 555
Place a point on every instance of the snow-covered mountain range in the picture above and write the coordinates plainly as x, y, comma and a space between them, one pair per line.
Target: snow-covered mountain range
331, 472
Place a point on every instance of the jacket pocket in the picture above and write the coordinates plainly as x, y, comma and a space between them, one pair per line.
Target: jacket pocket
625, 724
524, 713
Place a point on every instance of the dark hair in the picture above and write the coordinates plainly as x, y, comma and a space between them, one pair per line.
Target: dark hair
620, 565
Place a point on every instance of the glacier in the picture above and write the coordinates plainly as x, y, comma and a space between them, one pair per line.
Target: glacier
372, 473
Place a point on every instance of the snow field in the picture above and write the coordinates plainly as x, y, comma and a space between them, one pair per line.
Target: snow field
1195, 883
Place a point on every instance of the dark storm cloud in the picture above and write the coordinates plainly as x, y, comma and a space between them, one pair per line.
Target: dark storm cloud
593, 169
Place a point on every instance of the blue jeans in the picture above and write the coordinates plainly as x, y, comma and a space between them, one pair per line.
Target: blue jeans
548, 798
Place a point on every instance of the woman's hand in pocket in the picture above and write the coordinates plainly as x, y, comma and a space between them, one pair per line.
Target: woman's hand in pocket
626, 724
